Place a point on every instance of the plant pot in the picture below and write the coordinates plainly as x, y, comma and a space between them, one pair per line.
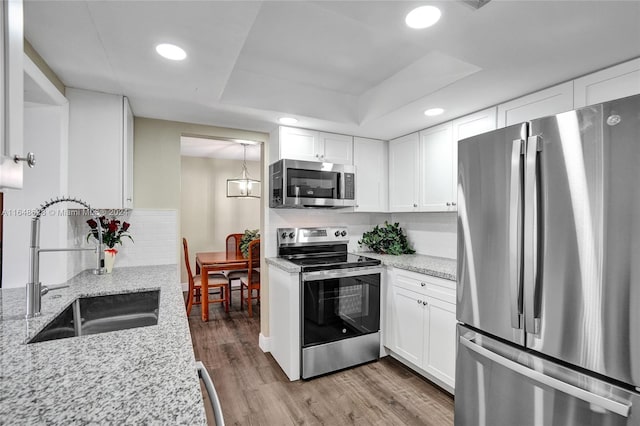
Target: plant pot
109, 259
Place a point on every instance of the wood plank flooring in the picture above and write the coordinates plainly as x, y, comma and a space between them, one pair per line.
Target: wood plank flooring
253, 390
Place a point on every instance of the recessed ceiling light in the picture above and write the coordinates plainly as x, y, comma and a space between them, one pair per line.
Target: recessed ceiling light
287, 120
171, 51
422, 17
432, 112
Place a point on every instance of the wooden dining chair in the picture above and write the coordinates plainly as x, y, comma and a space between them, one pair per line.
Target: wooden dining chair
252, 280
233, 247
219, 283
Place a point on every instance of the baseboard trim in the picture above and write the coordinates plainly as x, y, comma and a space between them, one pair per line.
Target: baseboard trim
264, 343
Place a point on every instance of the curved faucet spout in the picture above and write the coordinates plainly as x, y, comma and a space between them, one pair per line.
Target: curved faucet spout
34, 290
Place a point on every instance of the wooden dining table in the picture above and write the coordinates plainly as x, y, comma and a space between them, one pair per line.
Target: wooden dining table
215, 261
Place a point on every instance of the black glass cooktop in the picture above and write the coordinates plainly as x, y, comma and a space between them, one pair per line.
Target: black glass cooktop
312, 263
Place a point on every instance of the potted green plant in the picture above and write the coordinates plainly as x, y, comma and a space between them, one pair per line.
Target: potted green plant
387, 239
247, 237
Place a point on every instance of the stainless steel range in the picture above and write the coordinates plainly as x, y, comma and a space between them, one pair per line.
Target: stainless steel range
339, 299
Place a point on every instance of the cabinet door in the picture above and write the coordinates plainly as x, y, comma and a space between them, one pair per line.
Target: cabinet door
408, 327
299, 144
436, 168
96, 147
127, 134
440, 340
403, 173
11, 89
612, 83
546, 102
372, 179
334, 148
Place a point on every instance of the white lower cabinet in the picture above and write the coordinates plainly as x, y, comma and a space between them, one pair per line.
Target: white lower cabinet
420, 324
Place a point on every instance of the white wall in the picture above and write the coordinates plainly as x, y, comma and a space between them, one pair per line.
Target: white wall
45, 135
433, 234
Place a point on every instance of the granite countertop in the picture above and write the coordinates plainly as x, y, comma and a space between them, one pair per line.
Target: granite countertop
441, 267
143, 375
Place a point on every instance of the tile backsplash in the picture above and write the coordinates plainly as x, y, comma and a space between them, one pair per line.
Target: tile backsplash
154, 233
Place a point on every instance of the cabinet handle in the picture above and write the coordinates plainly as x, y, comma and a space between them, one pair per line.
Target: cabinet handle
419, 302
448, 204
424, 303
30, 159
422, 284
415, 205
453, 204
129, 199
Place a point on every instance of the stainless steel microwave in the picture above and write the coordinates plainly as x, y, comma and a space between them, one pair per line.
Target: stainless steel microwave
298, 184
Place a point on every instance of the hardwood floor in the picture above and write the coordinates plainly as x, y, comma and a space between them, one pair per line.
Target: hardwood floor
253, 390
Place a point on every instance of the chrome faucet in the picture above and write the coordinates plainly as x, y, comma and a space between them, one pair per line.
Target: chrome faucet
35, 290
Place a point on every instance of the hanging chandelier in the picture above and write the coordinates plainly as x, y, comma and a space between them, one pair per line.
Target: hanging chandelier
244, 186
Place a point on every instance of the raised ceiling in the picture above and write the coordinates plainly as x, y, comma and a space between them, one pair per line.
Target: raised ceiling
344, 66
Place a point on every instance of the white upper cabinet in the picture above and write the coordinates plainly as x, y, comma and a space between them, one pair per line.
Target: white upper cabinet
436, 168
335, 148
100, 149
546, 102
311, 145
371, 160
11, 89
423, 167
403, 173
612, 83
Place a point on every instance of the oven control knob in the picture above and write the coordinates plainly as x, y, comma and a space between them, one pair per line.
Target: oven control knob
343, 233
292, 234
283, 235
337, 234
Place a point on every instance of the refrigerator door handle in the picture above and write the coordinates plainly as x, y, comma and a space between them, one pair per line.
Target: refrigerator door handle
515, 235
574, 391
530, 255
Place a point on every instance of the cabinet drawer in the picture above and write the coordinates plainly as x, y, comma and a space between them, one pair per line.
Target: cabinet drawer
427, 285
410, 281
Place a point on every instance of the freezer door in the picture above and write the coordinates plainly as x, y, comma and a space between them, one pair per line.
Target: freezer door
499, 384
582, 298
489, 290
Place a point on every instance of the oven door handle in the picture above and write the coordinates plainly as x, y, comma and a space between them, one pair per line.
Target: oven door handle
341, 273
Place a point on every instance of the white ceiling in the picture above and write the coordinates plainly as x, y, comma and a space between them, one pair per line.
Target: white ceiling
213, 148
344, 66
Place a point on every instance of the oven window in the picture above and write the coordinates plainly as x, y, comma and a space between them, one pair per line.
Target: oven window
312, 184
338, 308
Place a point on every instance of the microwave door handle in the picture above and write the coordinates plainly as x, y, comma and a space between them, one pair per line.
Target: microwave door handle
515, 234
342, 186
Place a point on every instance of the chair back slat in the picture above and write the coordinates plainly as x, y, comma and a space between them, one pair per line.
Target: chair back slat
233, 244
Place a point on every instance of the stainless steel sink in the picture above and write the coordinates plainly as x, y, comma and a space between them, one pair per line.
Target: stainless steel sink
100, 314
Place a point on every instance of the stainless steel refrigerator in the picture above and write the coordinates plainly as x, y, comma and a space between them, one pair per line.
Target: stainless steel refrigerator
548, 292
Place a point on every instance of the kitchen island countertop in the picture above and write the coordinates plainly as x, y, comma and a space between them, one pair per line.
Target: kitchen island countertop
144, 375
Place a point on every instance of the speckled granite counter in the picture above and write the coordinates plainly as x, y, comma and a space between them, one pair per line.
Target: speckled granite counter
441, 267
143, 375
283, 264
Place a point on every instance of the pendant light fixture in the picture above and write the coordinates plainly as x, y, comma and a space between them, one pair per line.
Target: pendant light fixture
244, 187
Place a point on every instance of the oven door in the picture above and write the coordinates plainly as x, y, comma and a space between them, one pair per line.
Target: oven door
340, 319
339, 304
